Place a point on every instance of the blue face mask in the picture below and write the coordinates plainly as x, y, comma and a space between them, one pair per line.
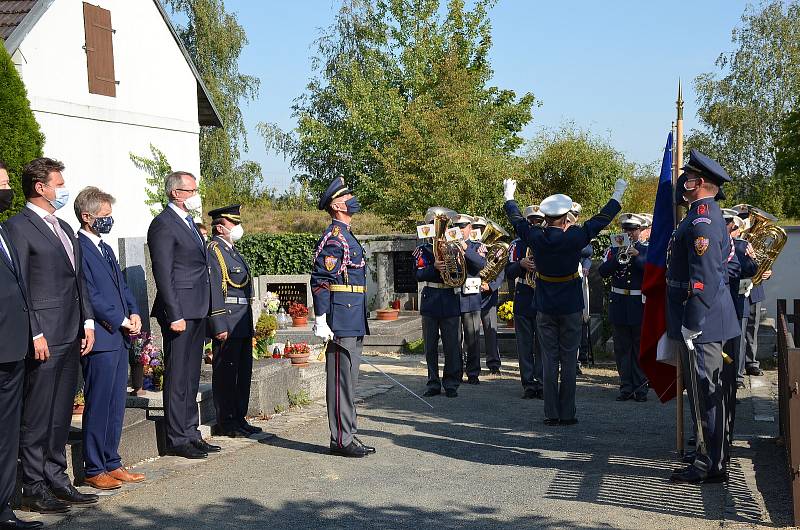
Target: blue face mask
353, 206
61, 199
102, 225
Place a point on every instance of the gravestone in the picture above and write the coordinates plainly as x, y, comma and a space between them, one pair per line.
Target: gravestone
289, 287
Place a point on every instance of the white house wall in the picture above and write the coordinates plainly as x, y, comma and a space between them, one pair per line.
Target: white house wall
156, 103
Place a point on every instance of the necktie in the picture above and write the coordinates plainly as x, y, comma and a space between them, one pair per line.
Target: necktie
106, 251
193, 228
62, 236
6, 252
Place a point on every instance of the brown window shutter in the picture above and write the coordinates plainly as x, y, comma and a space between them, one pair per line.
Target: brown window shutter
99, 50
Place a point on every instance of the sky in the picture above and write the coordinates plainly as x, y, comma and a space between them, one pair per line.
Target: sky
611, 67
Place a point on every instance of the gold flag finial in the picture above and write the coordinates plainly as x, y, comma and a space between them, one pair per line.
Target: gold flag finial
680, 100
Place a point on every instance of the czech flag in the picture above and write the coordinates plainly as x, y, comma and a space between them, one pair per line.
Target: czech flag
654, 353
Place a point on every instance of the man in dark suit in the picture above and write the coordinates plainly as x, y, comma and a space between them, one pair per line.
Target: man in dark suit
62, 326
183, 298
15, 330
105, 369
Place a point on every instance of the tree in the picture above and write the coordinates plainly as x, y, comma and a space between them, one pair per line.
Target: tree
215, 40
382, 65
742, 110
20, 138
157, 169
787, 164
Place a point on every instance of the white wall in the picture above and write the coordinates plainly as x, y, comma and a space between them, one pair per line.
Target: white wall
156, 103
785, 282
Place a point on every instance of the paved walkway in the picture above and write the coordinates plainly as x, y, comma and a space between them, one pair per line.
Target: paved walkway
483, 460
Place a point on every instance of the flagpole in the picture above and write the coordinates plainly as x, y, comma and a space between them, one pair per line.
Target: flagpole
677, 160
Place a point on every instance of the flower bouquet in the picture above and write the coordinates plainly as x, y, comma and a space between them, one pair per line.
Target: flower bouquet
271, 302
506, 312
299, 314
145, 354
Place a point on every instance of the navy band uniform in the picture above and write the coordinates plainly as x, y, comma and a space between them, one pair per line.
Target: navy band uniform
470, 303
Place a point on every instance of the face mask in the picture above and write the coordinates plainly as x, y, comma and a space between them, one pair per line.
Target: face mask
353, 206
6, 198
236, 233
686, 185
61, 199
102, 225
194, 202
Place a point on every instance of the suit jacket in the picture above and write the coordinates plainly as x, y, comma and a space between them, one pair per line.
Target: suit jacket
236, 319
112, 302
14, 318
180, 269
56, 290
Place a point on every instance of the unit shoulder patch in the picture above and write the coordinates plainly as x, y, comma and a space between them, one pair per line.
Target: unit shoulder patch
701, 245
330, 262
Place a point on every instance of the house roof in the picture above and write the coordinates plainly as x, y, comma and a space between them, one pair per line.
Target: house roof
18, 17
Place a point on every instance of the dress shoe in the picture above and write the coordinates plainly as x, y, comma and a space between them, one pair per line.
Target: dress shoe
529, 393
43, 502
572, 421
641, 398
754, 371
689, 475
473, 380
451, 392
368, 448
103, 481
689, 457
202, 445
187, 451
73, 496
551, 421
236, 432
13, 522
740, 385
624, 397
124, 475
432, 392
349, 451
252, 429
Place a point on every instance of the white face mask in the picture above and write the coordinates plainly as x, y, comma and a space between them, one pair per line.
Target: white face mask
194, 202
236, 233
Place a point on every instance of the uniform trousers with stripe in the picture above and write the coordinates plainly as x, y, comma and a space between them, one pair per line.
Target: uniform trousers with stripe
342, 362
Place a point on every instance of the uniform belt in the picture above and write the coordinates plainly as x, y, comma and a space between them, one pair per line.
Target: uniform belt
558, 279
341, 288
629, 292
677, 285
236, 300
435, 285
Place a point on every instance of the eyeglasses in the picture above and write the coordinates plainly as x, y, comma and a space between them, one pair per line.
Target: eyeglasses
187, 191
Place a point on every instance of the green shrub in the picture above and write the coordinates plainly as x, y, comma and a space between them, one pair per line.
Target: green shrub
299, 398
20, 138
278, 253
414, 346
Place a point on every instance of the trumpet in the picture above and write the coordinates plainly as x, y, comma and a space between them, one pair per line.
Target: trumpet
624, 256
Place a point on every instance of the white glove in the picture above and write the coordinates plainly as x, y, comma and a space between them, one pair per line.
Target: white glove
619, 189
321, 328
509, 188
689, 336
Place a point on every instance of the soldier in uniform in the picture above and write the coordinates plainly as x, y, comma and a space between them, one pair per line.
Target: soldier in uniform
489, 299
559, 300
701, 317
585, 267
440, 310
625, 308
521, 270
231, 294
470, 300
338, 286
647, 225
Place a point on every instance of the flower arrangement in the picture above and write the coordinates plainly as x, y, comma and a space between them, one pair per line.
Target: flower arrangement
264, 337
301, 348
144, 352
271, 302
506, 311
298, 310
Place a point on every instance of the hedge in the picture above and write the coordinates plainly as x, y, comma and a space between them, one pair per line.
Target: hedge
278, 253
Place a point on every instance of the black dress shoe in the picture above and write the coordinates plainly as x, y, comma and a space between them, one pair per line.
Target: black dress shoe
754, 371
689, 475
473, 380
73, 496
432, 392
529, 393
236, 432
43, 502
740, 385
350, 451
451, 392
252, 429
641, 398
187, 451
206, 447
572, 421
19, 523
624, 397
368, 448
689, 457
551, 421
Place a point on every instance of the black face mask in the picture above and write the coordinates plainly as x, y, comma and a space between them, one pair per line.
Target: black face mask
6, 199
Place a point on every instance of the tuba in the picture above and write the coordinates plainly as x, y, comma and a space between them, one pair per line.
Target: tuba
530, 276
449, 252
496, 251
766, 238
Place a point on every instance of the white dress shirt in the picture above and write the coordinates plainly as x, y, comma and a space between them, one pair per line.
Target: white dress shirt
96, 240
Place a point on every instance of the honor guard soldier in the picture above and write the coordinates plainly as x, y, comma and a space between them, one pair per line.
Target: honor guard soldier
475, 258
701, 317
625, 267
522, 270
440, 310
231, 295
338, 286
489, 299
559, 300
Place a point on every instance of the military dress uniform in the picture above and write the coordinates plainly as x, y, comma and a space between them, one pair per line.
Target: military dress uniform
700, 308
625, 311
338, 285
470, 303
489, 300
231, 312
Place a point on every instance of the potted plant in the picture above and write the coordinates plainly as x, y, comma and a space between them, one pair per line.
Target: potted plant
299, 314
506, 312
297, 353
389, 313
264, 337
78, 404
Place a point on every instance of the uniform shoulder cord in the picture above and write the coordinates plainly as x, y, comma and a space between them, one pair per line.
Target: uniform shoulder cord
226, 279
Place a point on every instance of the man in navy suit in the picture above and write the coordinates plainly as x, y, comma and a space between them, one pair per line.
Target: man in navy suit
183, 298
62, 325
105, 369
15, 330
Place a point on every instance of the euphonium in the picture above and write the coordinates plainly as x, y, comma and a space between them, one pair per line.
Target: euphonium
496, 250
766, 238
448, 252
